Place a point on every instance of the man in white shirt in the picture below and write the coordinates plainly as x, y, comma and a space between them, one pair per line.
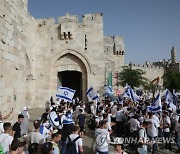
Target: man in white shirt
119, 119
6, 137
152, 132
143, 140
166, 129
102, 138
36, 136
134, 125
55, 139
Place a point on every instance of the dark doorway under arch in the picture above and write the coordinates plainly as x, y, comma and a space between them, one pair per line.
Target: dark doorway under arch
71, 79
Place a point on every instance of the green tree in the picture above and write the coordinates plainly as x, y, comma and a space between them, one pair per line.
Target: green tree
172, 80
133, 77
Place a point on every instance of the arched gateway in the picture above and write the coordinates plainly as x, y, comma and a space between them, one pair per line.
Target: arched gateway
70, 69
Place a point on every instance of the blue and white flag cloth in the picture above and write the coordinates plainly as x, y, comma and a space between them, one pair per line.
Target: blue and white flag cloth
108, 92
129, 93
170, 99
175, 97
65, 93
91, 94
156, 106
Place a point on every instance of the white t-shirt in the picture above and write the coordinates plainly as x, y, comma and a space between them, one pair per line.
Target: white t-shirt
102, 140
157, 122
77, 109
119, 115
134, 124
79, 142
36, 137
143, 136
166, 120
93, 109
114, 110
5, 141
152, 131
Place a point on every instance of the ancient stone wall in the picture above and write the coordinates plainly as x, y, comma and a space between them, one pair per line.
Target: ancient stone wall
151, 71
15, 29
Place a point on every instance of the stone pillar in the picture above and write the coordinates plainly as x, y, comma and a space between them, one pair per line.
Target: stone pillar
173, 55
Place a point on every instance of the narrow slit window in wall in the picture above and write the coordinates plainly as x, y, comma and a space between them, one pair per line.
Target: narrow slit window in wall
85, 42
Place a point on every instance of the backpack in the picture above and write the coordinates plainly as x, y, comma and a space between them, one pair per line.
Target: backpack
71, 146
136, 137
92, 123
1, 149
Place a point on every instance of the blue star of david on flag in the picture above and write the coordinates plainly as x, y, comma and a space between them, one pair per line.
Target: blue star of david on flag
65, 93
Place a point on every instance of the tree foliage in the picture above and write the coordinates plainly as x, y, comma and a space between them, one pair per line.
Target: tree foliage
172, 80
133, 77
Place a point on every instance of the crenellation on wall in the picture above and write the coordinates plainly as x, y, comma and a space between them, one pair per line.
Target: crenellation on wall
92, 18
68, 18
45, 22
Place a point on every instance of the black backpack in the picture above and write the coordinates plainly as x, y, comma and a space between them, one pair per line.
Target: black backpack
71, 146
92, 123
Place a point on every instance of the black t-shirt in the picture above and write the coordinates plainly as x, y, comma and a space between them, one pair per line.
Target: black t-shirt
81, 118
44, 117
17, 130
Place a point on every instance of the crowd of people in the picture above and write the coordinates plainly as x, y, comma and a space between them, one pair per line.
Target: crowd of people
128, 126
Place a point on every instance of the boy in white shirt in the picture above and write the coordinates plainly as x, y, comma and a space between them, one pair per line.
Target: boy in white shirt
6, 137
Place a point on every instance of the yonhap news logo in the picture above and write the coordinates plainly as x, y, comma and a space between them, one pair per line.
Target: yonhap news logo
134, 140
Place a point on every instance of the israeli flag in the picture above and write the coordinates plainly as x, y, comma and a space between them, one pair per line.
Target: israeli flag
129, 93
175, 97
156, 106
170, 99
109, 92
91, 94
65, 93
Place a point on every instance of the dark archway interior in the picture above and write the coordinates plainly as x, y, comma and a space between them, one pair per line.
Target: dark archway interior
71, 79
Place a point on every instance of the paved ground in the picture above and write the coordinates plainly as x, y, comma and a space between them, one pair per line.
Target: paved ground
88, 137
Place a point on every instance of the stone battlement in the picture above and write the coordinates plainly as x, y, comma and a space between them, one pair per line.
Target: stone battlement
146, 65
87, 19
45, 21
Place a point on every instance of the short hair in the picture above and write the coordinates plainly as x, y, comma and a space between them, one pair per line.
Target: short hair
81, 110
6, 126
20, 116
47, 147
102, 123
75, 128
33, 148
47, 109
145, 123
16, 143
55, 133
37, 124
